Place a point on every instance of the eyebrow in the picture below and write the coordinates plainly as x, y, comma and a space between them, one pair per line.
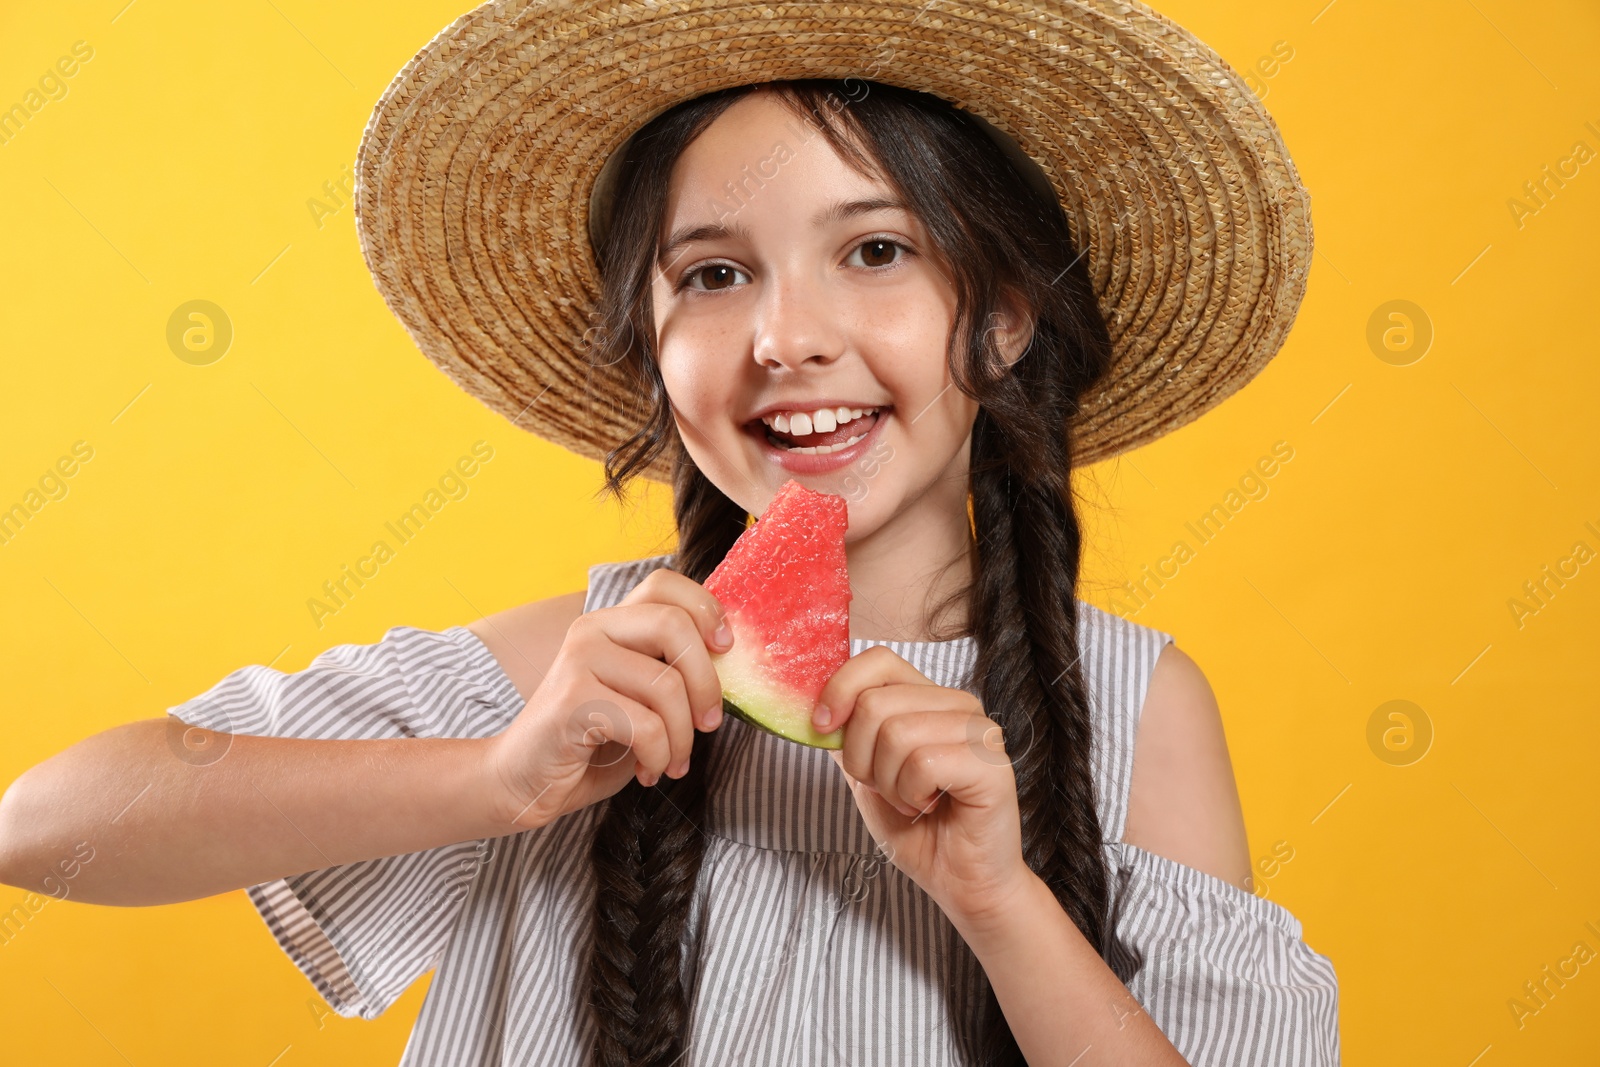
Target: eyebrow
716, 231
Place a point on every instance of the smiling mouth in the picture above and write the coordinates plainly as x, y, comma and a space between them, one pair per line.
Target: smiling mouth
835, 440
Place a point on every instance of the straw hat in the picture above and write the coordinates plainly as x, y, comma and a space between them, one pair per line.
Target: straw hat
477, 195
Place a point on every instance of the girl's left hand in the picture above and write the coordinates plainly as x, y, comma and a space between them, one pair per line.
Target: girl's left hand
931, 778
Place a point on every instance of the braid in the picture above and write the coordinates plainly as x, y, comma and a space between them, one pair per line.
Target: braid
1029, 661
648, 839
648, 849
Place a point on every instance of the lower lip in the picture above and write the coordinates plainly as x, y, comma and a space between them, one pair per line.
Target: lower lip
819, 462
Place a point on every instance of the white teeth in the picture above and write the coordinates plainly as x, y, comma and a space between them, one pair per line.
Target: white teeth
823, 420
812, 450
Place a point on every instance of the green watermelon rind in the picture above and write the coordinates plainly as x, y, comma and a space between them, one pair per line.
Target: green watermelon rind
834, 740
748, 695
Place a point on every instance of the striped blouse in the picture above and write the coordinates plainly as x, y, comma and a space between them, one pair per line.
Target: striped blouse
804, 945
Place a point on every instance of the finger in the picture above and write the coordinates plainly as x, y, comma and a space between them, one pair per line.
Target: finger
876, 666
902, 735
853, 781
611, 716
666, 586
933, 772
879, 704
659, 687
666, 631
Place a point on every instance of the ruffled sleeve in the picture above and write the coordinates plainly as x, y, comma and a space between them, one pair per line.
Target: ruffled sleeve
363, 932
1226, 974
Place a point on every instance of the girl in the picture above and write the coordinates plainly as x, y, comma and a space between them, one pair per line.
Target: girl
1029, 847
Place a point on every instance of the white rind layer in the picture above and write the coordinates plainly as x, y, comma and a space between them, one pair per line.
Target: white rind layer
743, 673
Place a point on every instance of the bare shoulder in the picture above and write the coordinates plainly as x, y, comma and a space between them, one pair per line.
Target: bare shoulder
526, 638
1183, 801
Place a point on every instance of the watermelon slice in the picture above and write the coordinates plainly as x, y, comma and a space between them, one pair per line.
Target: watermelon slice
786, 595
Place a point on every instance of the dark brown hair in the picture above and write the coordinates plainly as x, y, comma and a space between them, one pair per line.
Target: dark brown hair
995, 236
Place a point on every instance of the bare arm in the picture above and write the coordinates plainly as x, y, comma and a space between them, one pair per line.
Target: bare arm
164, 829
1183, 802
1065, 1006
524, 639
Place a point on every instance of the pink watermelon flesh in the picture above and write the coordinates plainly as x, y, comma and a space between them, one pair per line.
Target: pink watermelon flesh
786, 593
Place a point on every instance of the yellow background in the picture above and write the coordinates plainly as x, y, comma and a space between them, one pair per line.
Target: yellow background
1378, 567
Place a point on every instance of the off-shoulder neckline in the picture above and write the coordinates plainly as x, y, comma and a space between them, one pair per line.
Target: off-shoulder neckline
1168, 870
859, 643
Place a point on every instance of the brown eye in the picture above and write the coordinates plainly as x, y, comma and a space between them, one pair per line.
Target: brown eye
879, 252
718, 272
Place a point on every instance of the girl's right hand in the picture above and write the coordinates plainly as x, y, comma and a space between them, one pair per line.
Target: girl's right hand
623, 697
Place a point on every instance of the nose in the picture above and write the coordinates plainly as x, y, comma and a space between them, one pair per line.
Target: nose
797, 323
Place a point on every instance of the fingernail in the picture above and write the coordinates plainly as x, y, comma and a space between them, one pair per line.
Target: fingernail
649, 780
678, 770
723, 636
714, 717
822, 716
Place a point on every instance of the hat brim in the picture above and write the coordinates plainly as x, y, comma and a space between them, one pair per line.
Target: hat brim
476, 170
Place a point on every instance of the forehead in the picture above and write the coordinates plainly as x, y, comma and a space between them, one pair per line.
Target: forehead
760, 146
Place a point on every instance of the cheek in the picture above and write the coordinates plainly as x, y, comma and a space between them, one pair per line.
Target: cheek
907, 324
935, 421
701, 350
907, 328
913, 365
933, 416
690, 341
700, 385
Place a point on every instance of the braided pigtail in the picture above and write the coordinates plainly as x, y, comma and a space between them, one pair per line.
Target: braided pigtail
649, 846
1033, 685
